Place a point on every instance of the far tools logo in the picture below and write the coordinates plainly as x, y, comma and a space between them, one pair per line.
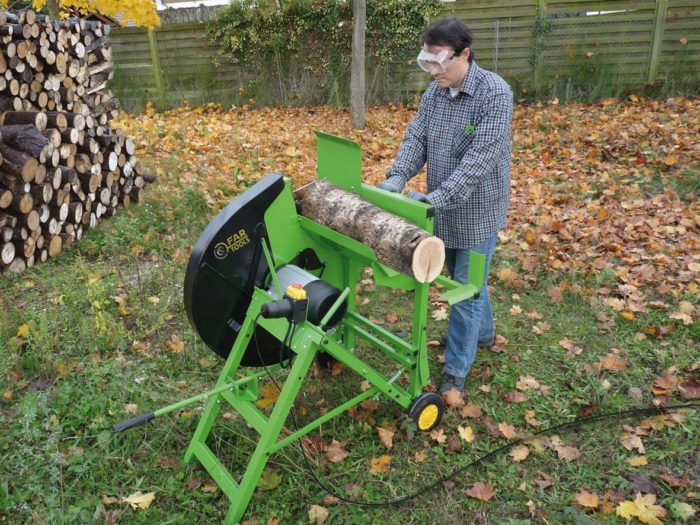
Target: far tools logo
233, 243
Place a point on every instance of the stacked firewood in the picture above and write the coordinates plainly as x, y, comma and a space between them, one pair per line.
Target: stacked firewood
62, 167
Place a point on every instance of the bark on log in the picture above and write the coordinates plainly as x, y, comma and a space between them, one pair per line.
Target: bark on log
396, 242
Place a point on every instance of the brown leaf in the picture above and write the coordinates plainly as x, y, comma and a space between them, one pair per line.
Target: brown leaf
391, 317
587, 499
453, 398
438, 435
480, 491
453, 444
336, 453
545, 481
507, 431
567, 452
515, 397
613, 362
420, 456
472, 411
690, 388
169, 462
385, 437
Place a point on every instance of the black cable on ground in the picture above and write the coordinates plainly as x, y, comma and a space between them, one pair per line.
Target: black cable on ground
575, 423
571, 424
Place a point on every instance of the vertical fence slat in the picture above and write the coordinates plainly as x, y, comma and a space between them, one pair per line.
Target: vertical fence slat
657, 39
157, 71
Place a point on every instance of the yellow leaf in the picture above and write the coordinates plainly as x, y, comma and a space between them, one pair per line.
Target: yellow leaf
649, 512
519, 453
638, 461
466, 433
268, 394
121, 309
626, 509
23, 330
131, 408
380, 464
438, 435
139, 500
154, 299
318, 514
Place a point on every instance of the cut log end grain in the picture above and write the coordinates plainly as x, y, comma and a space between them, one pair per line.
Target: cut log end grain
428, 259
396, 242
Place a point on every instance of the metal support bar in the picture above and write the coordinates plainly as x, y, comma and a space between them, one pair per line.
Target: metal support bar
326, 417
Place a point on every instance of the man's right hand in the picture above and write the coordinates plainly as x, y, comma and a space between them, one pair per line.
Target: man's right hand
388, 186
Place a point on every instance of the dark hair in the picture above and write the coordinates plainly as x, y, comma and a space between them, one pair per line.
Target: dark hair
450, 31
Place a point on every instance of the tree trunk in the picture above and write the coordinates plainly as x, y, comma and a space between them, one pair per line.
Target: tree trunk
357, 71
396, 242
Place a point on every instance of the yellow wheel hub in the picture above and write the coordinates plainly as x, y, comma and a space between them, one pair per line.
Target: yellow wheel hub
427, 417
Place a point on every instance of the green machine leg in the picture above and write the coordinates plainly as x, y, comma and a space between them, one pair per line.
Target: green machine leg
305, 343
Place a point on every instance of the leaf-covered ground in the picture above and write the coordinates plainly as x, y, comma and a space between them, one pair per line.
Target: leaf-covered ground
595, 286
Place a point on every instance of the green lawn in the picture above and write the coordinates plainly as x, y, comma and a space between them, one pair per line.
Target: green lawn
74, 361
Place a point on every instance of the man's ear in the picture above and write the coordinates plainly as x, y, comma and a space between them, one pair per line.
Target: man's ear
465, 53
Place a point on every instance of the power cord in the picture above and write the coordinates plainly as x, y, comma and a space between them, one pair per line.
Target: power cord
571, 424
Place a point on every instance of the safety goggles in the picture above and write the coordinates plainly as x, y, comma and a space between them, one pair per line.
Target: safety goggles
429, 61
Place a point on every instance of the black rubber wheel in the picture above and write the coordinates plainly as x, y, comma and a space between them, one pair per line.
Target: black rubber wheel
427, 410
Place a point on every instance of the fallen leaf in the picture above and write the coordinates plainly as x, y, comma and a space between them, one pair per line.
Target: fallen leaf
318, 515
23, 331
385, 437
438, 435
109, 500
643, 508
638, 461
420, 456
175, 344
466, 433
121, 308
335, 452
507, 431
480, 491
567, 452
519, 453
391, 317
682, 510
690, 388
380, 464
612, 362
526, 383
440, 314
139, 500
587, 499
453, 398
632, 442
471, 411
515, 397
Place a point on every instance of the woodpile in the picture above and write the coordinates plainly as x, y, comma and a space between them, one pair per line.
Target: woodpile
62, 167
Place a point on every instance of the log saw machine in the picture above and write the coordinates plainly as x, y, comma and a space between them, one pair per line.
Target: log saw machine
268, 287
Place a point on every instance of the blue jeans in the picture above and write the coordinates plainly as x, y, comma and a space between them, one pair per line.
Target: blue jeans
471, 321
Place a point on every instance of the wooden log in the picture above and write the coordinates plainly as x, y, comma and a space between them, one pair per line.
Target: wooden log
5, 198
7, 253
18, 163
37, 118
24, 137
396, 242
22, 203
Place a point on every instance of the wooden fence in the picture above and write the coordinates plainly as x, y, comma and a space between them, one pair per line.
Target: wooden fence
536, 45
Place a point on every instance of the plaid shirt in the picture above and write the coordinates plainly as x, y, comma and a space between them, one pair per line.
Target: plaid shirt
466, 142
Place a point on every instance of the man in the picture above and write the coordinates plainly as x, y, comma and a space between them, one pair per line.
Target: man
462, 131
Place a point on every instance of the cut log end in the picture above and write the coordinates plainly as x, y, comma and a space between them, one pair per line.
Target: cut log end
428, 259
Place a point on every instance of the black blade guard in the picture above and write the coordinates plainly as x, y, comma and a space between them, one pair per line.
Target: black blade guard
226, 264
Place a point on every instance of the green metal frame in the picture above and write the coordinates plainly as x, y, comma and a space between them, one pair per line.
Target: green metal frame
339, 162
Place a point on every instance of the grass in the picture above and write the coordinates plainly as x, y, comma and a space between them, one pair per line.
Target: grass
81, 365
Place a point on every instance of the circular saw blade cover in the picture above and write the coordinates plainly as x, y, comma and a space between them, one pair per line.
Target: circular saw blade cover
226, 264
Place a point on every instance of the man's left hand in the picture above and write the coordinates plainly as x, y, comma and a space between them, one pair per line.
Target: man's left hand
417, 196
